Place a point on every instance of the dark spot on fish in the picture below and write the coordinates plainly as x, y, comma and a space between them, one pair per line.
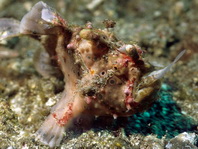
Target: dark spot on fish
102, 73
44, 135
99, 96
112, 82
90, 93
51, 137
111, 108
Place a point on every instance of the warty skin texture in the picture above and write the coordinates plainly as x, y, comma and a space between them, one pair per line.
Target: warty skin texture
103, 76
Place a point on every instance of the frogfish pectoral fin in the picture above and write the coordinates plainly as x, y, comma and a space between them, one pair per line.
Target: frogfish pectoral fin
50, 133
52, 130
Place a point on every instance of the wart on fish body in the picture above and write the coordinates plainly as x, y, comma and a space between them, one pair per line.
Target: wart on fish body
103, 76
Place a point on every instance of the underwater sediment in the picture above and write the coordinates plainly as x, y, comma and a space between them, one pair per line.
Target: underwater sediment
26, 97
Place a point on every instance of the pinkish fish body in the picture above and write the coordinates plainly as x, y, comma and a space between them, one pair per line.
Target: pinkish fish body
103, 76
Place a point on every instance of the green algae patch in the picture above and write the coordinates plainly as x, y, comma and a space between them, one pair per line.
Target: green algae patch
164, 118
